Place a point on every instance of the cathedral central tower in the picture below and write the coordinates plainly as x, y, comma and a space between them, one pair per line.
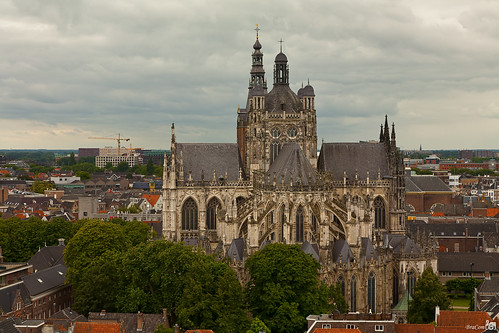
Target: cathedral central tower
273, 118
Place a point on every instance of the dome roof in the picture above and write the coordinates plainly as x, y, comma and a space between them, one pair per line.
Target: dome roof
280, 98
257, 45
308, 91
281, 57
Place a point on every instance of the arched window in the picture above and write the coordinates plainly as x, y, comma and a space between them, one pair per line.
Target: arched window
395, 287
299, 224
353, 294
411, 281
379, 213
371, 293
275, 148
211, 213
283, 220
189, 215
341, 283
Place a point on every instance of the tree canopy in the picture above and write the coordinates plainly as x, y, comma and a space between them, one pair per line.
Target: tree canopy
428, 293
284, 287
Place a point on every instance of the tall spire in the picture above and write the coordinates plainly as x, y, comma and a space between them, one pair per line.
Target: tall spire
381, 137
387, 131
257, 73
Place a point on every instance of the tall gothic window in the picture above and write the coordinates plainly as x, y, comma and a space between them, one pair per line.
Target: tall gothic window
283, 220
379, 213
395, 287
353, 294
275, 148
189, 215
341, 283
411, 281
212, 209
299, 224
371, 293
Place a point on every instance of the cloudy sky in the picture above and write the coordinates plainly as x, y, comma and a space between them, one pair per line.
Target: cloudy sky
74, 69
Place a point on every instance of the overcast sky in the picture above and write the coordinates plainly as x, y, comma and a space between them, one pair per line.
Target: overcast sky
74, 69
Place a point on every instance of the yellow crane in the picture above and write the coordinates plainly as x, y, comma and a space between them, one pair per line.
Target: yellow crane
119, 139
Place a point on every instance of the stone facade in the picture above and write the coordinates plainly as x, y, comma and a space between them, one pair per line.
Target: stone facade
346, 207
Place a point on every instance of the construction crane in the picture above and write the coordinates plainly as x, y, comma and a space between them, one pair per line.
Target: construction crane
119, 139
131, 150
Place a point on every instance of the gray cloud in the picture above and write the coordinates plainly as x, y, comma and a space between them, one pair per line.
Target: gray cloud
73, 69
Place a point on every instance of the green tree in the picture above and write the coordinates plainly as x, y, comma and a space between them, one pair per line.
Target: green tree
284, 287
150, 167
122, 166
40, 186
428, 293
94, 239
258, 326
83, 175
108, 166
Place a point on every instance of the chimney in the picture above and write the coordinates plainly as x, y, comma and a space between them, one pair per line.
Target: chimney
140, 321
165, 318
61, 241
177, 328
102, 313
1, 255
437, 314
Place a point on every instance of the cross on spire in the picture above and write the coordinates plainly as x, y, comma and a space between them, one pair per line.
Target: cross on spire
257, 29
281, 41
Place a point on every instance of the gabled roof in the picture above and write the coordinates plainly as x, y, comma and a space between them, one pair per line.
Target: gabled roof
8, 295
353, 157
46, 257
291, 163
7, 325
367, 249
337, 330
424, 183
151, 198
414, 328
45, 280
403, 304
492, 306
450, 229
236, 249
461, 261
464, 319
311, 249
342, 252
204, 158
489, 285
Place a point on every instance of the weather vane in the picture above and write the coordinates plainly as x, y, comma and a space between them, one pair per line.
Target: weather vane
257, 29
281, 41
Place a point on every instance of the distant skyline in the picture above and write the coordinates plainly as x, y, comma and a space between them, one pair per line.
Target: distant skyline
70, 70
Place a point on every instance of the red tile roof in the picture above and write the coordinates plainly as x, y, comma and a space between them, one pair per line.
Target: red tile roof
414, 328
466, 319
151, 198
94, 327
198, 331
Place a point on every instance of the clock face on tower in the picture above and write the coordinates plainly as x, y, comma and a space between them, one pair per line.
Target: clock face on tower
275, 132
292, 132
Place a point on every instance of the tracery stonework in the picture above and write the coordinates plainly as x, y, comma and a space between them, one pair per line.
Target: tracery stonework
346, 207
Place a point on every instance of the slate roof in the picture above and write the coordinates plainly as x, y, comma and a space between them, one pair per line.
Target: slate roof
8, 296
282, 94
492, 306
489, 285
128, 320
450, 229
291, 163
46, 257
201, 158
461, 261
8, 326
45, 280
311, 249
397, 242
236, 249
424, 183
342, 251
367, 249
350, 157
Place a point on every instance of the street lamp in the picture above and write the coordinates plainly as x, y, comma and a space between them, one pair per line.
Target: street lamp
471, 269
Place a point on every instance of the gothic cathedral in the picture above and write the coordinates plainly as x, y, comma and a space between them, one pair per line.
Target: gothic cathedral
345, 205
